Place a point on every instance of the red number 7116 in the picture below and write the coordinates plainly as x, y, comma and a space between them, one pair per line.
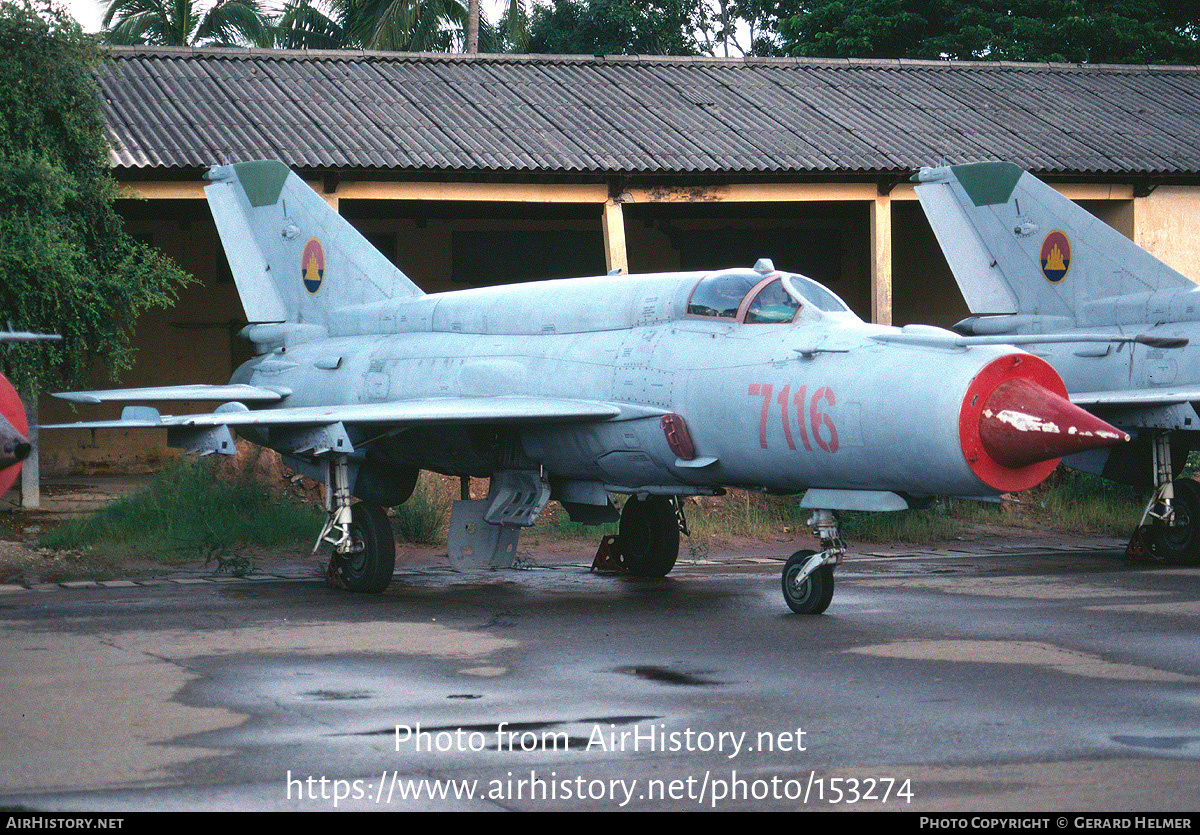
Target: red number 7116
824, 433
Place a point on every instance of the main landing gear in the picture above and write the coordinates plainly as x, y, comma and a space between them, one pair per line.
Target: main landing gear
649, 535
364, 548
647, 545
808, 575
647, 540
1170, 527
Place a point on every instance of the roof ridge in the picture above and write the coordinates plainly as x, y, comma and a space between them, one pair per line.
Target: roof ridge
649, 60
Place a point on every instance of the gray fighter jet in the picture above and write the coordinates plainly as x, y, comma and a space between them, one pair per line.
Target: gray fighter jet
654, 386
1038, 270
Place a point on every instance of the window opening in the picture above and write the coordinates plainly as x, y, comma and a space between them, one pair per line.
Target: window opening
721, 294
772, 305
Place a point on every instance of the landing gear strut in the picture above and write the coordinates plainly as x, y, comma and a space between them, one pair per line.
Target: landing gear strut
808, 575
364, 548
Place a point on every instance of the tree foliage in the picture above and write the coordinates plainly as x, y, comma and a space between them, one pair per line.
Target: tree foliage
391, 25
750, 27
1076, 31
66, 264
657, 27
185, 23
617, 27
403, 25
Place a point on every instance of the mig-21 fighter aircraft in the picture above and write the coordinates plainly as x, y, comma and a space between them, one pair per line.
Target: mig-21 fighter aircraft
1038, 270
655, 386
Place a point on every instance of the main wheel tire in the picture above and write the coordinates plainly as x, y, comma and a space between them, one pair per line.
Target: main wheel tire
648, 536
815, 594
370, 568
1180, 543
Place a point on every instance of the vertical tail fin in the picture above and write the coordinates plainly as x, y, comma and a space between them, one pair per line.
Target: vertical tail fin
1015, 245
294, 258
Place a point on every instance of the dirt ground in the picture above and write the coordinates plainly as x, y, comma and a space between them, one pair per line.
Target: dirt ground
23, 561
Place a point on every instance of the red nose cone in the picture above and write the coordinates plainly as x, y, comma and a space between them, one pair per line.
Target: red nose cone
1024, 423
1016, 423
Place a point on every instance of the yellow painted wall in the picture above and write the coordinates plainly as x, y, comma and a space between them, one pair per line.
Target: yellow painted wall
1168, 226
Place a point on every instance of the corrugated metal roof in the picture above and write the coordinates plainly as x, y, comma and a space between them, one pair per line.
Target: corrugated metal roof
189, 108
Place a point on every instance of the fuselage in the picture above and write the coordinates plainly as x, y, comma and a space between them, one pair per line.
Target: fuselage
1166, 357
768, 401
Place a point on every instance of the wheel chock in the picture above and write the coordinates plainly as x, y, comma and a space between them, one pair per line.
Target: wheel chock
1141, 546
608, 556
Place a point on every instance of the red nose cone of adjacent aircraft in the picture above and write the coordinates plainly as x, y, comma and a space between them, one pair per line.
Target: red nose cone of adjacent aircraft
1016, 423
14, 447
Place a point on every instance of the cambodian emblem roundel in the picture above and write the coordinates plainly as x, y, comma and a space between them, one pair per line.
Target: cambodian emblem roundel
312, 265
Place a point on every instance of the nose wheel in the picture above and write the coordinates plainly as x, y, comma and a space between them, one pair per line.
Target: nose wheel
808, 575
813, 594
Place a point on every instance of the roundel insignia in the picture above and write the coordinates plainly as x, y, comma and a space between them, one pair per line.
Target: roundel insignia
312, 265
1056, 256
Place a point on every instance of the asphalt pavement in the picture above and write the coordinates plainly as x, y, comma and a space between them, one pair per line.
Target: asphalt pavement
1035, 674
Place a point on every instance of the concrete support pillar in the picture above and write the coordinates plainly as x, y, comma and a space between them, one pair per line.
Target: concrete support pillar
615, 254
31, 477
881, 260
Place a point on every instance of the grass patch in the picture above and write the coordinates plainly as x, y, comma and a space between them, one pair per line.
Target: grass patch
718, 520
944, 519
197, 509
743, 514
1069, 501
190, 511
1076, 502
425, 516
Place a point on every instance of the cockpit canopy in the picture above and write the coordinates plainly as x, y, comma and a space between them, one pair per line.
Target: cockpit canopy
759, 296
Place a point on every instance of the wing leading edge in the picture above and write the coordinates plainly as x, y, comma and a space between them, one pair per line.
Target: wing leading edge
444, 410
1136, 398
243, 393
